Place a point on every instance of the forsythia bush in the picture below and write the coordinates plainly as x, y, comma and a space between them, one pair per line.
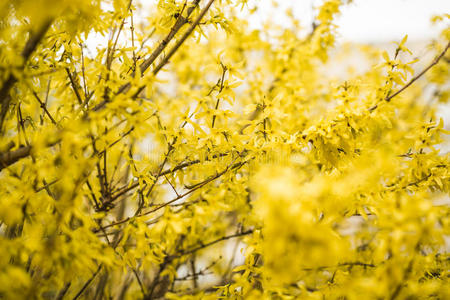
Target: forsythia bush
191, 157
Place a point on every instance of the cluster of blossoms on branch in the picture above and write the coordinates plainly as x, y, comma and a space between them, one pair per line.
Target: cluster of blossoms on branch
189, 156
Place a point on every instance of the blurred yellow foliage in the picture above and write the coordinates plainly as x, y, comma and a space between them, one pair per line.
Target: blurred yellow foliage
188, 156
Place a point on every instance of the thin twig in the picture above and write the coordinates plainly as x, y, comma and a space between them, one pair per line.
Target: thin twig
74, 86
202, 246
154, 55
8, 158
193, 188
44, 107
129, 187
84, 75
415, 78
31, 45
224, 70
183, 38
435, 61
87, 283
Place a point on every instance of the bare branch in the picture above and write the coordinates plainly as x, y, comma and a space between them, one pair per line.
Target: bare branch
192, 189
87, 283
74, 86
162, 45
435, 61
5, 97
183, 38
8, 158
202, 246
415, 78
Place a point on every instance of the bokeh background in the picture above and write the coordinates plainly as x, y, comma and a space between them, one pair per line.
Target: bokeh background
379, 23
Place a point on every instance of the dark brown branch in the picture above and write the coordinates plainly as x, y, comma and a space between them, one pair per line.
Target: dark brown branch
415, 78
224, 70
132, 40
171, 185
435, 61
84, 73
63, 292
345, 264
154, 55
169, 150
406, 273
35, 39
74, 86
202, 246
10, 157
138, 279
5, 160
46, 185
196, 274
5, 97
194, 188
183, 38
178, 24
110, 55
175, 48
31, 45
44, 107
87, 283
135, 184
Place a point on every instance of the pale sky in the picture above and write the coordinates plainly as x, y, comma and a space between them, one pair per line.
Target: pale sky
380, 20
366, 20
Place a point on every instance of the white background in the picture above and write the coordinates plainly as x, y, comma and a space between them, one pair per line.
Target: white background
366, 21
